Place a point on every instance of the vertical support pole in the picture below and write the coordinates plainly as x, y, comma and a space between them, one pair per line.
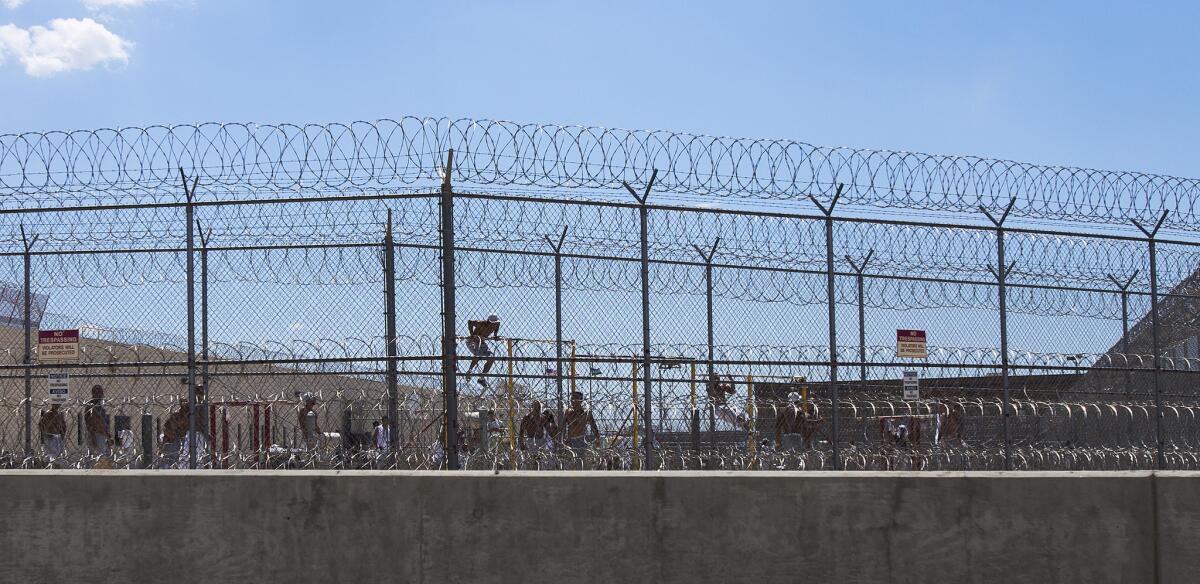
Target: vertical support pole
558, 335
649, 415
831, 297
862, 316
512, 403
1001, 272
212, 423
633, 434
708, 323
1154, 324
389, 315
255, 421
573, 371
449, 347
191, 315
27, 318
1125, 341
862, 334
1124, 289
147, 440
1002, 277
695, 421
751, 414
1160, 462
267, 433
204, 397
643, 215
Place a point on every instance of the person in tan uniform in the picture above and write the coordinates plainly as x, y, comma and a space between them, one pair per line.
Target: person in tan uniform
95, 420
52, 427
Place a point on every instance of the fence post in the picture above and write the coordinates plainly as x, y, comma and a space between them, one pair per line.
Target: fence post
202, 394
862, 316
27, 293
633, 431
1160, 463
708, 297
751, 420
449, 347
831, 297
147, 440
1001, 272
389, 315
694, 421
643, 212
1124, 288
191, 314
558, 339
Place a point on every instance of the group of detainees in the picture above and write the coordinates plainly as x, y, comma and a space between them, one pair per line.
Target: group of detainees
100, 440
538, 429
795, 424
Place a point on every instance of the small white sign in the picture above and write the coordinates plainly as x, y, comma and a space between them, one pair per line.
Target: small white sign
912, 386
59, 387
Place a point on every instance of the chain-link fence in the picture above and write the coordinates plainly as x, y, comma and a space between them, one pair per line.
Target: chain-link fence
331, 297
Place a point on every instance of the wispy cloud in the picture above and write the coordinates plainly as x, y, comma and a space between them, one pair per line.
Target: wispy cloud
12, 4
105, 4
63, 45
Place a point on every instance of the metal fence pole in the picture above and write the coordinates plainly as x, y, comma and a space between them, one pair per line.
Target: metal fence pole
862, 316
147, 440
643, 215
389, 315
1001, 272
27, 293
203, 396
1160, 462
449, 347
708, 323
190, 210
558, 337
1124, 288
831, 297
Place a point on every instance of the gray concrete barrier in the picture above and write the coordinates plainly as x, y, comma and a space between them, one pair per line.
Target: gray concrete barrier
245, 526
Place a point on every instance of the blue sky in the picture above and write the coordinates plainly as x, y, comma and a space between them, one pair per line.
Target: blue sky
1095, 84
1090, 84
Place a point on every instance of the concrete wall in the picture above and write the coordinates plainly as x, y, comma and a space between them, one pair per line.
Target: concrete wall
128, 526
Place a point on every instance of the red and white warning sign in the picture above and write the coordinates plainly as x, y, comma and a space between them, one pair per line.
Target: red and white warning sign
58, 346
910, 344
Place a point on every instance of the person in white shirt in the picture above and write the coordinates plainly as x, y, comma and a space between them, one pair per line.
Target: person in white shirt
383, 434
309, 427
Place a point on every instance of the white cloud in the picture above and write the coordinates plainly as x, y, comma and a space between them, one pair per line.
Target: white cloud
103, 4
65, 44
13, 4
